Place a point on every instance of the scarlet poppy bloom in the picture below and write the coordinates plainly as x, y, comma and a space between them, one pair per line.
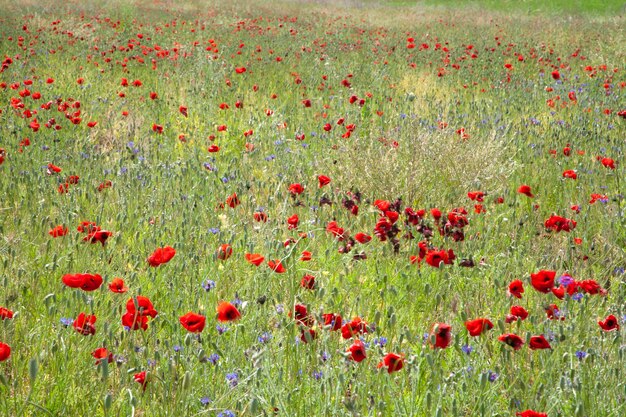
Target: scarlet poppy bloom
296, 189
161, 256
87, 227
101, 354
213, 148
240, 70
193, 322
357, 351
354, 328
477, 326
443, 335
293, 222
323, 180
142, 306
58, 231
553, 312
609, 323
141, 378
224, 251
5, 313
556, 75
543, 281
525, 189
516, 289
476, 196
84, 324
435, 258
260, 216
135, 321
531, 413
570, 173
254, 258
332, 320
117, 286
86, 282
5, 352
232, 201
333, 227
301, 315
362, 237
519, 312
558, 223
392, 362
104, 185
308, 282
512, 340
98, 236
183, 110
539, 342
227, 312
608, 163
53, 169
276, 266
308, 335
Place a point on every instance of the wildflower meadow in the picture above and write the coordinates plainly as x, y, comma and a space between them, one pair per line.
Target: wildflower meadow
312, 208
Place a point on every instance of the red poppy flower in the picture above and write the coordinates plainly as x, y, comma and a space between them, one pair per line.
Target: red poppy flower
519, 312
306, 256
183, 110
193, 322
333, 228
86, 282
308, 282
362, 237
435, 258
254, 258
100, 236
332, 320
525, 189
543, 281
353, 328
608, 163
539, 342
301, 315
558, 223
392, 362
117, 286
556, 75
141, 378
104, 185
512, 340
5, 352
531, 413
141, 305
227, 312
308, 335
276, 266
5, 313
213, 148
232, 201
516, 289
476, 196
357, 351
296, 188
570, 173
293, 222
260, 216
84, 324
161, 256
53, 169
609, 323
101, 354
477, 326
240, 70
135, 321
323, 180
224, 251
443, 335
58, 231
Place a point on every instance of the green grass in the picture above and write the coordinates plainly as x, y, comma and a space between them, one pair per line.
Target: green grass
163, 193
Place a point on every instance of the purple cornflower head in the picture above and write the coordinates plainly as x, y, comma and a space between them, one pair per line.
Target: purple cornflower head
213, 358
221, 329
493, 376
208, 285
265, 337
566, 280
581, 354
317, 375
467, 349
205, 400
380, 341
233, 379
578, 296
177, 348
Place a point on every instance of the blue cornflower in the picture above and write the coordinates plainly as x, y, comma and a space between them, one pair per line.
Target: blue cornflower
581, 354
208, 285
566, 280
233, 379
493, 376
226, 413
205, 400
66, 321
213, 358
221, 329
317, 375
380, 341
177, 348
265, 337
467, 349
